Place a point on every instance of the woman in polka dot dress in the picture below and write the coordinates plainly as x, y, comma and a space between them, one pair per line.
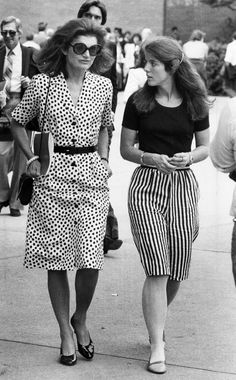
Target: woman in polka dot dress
67, 214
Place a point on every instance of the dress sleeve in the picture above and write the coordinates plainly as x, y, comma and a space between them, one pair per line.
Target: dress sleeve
130, 119
201, 125
28, 108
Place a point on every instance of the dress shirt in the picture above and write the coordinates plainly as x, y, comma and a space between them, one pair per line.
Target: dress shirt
16, 68
230, 55
196, 49
223, 146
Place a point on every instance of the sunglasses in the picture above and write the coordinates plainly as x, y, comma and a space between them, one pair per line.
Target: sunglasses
81, 48
11, 33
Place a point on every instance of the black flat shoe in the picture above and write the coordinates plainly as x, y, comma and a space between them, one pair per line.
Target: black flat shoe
86, 351
68, 359
4, 204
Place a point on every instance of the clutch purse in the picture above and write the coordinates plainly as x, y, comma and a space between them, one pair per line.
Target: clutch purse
25, 188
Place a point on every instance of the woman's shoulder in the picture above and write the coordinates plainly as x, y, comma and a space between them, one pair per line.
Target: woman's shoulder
40, 79
100, 80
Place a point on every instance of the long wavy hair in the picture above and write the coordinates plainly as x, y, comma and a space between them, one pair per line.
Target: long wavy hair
51, 59
188, 82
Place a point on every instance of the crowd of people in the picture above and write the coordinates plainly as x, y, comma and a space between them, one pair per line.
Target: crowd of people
72, 78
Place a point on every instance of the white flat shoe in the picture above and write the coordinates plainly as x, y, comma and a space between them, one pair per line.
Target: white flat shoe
158, 367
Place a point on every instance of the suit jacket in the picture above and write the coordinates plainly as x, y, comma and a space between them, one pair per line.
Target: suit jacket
29, 69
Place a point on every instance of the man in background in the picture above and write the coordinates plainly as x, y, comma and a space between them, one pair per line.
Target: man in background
95, 10
16, 69
223, 156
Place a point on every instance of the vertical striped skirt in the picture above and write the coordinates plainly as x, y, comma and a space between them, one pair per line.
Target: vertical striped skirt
164, 220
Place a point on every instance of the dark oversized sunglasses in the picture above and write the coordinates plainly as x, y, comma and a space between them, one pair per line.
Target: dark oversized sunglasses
81, 48
11, 33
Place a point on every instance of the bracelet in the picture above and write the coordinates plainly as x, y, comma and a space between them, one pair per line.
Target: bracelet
190, 162
141, 158
105, 159
32, 159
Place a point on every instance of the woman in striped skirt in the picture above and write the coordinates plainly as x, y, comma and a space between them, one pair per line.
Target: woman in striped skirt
166, 114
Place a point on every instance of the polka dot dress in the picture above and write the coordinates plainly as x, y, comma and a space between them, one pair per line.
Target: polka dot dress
67, 214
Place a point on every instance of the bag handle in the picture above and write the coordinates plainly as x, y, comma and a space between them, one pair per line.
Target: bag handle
44, 113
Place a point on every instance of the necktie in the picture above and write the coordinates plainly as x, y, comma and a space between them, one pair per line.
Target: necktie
8, 72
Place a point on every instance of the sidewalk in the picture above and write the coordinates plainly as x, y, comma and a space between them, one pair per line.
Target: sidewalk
201, 326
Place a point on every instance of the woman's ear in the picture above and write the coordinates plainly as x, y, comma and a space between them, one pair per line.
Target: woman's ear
174, 65
64, 51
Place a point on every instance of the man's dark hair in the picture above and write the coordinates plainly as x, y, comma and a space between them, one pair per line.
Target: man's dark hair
93, 3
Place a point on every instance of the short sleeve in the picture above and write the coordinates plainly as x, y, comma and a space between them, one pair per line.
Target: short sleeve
130, 118
201, 125
28, 108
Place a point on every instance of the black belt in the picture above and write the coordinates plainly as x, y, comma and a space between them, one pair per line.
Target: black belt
74, 149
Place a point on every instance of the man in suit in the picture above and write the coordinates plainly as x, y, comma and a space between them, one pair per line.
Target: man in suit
16, 69
96, 11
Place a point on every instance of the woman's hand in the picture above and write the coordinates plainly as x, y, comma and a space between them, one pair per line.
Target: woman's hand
34, 169
163, 163
180, 159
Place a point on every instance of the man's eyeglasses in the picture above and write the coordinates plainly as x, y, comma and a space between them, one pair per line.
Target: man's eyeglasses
11, 33
91, 16
81, 48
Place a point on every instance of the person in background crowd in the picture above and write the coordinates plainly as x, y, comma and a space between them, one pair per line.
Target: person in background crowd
129, 50
96, 11
50, 32
119, 58
146, 33
165, 115
137, 40
68, 210
136, 78
175, 34
41, 37
230, 64
16, 68
223, 156
197, 51
30, 42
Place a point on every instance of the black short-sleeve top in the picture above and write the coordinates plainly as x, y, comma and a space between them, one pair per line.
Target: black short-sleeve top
164, 130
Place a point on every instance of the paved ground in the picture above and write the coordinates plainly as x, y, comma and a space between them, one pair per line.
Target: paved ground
201, 323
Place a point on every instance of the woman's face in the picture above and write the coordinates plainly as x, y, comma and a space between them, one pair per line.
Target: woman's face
84, 60
156, 72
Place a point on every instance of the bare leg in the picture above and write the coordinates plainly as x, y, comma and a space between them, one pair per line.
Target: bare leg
85, 284
154, 302
59, 292
172, 289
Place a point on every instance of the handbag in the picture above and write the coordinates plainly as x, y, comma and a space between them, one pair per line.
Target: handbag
42, 146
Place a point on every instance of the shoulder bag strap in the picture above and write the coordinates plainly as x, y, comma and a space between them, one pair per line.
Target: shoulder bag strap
44, 113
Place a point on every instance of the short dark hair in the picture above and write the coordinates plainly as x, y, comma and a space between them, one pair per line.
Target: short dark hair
93, 3
51, 59
42, 26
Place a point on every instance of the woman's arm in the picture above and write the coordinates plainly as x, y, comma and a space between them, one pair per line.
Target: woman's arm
198, 154
103, 148
20, 136
132, 153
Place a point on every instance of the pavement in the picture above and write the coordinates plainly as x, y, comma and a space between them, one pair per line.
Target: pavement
201, 324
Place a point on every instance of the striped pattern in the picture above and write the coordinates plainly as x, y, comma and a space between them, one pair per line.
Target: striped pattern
164, 220
8, 73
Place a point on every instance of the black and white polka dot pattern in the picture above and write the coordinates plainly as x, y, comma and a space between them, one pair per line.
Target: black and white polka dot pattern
67, 214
